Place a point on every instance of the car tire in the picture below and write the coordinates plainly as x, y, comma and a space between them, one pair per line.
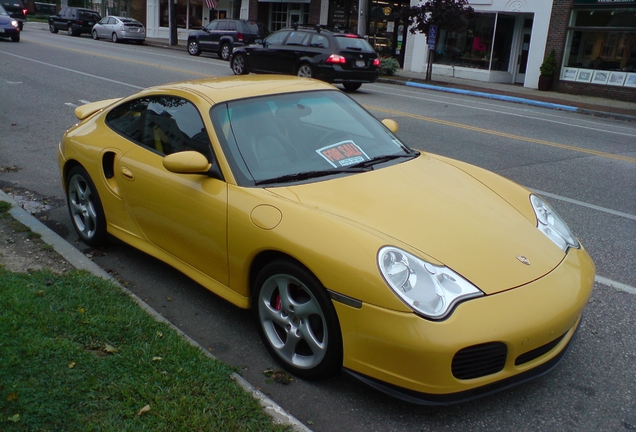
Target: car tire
20, 25
349, 86
85, 207
194, 48
297, 320
52, 28
305, 70
94, 34
15, 38
114, 38
69, 30
237, 63
139, 42
225, 52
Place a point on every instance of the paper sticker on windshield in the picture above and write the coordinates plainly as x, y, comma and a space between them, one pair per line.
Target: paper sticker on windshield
343, 154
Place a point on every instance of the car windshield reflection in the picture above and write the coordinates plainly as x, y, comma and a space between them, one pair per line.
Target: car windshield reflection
294, 136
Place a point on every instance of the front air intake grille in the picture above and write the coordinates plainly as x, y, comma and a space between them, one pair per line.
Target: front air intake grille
537, 352
479, 360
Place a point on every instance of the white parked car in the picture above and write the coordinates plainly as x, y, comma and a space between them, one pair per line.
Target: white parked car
119, 29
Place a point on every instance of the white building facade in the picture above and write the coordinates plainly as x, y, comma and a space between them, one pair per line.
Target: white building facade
504, 43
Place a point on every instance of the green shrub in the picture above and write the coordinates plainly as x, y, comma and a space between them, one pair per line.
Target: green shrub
549, 65
388, 66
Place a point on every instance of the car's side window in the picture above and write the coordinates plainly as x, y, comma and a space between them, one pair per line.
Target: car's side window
231, 25
276, 38
319, 41
222, 25
164, 124
297, 38
213, 25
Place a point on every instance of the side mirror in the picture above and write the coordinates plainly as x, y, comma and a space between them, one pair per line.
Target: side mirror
187, 162
391, 125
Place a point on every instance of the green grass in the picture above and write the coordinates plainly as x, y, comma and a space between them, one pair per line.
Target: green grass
78, 354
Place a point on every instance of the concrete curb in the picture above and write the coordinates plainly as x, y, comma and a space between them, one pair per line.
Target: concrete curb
78, 260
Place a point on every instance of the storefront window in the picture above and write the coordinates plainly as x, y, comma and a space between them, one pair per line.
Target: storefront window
608, 43
189, 14
285, 14
469, 48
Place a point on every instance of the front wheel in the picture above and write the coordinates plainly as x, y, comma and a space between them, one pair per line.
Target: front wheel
349, 86
15, 38
297, 321
85, 207
238, 64
94, 34
305, 71
194, 48
69, 30
225, 52
52, 28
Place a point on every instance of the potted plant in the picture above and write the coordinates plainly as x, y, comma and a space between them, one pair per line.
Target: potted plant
547, 69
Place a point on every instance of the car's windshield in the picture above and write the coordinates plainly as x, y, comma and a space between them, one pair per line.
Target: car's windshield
2, 11
285, 135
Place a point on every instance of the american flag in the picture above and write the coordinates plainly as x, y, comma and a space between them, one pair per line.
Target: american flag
211, 4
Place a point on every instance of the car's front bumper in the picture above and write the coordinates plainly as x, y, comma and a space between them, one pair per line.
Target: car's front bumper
522, 333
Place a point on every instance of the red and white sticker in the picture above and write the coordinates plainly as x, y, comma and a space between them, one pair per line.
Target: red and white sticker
343, 154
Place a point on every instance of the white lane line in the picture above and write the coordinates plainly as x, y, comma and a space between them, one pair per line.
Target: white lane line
74, 71
584, 204
526, 116
72, 105
616, 285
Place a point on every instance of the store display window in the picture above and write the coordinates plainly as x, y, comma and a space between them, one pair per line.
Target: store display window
189, 14
484, 44
601, 47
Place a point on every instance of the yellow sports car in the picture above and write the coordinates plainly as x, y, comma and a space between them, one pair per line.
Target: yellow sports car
430, 279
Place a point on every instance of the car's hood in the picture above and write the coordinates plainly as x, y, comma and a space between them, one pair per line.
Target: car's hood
5, 20
439, 210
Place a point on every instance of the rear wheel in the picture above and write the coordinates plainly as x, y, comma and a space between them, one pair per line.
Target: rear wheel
85, 207
52, 28
225, 52
69, 30
238, 64
349, 86
114, 38
305, 71
194, 48
297, 320
94, 34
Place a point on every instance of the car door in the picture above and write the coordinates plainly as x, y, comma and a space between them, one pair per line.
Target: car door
296, 47
205, 36
184, 215
265, 57
58, 20
101, 27
215, 36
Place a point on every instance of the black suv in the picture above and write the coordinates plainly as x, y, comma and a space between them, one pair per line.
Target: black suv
74, 20
16, 10
222, 36
330, 56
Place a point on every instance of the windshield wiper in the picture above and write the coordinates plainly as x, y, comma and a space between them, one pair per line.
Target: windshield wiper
381, 159
287, 178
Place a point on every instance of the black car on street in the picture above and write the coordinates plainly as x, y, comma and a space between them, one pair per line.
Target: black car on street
222, 36
74, 20
342, 58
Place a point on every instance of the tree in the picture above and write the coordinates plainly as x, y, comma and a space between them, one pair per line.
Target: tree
449, 15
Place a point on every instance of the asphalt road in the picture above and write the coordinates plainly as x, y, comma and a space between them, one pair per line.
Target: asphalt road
585, 166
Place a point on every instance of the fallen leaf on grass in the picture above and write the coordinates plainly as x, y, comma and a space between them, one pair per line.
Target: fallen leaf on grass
11, 397
157, 358
14, 419
110, 349
144, 410
71, 365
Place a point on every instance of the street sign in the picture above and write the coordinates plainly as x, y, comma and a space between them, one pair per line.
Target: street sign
432, 35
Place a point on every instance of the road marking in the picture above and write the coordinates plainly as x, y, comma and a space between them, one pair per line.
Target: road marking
525, 112
81, 51
503, 134
615, 285
584, 204
74, 71
72, 105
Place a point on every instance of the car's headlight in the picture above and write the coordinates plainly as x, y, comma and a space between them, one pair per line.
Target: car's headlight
14, 23
430, 290
550, 224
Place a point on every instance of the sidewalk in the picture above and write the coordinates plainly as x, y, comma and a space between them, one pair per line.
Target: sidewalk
596, 106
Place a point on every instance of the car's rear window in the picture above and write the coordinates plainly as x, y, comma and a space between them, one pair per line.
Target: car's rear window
252, 28
353, 44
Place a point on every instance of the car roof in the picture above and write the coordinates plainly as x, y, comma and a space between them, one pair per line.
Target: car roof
225, 89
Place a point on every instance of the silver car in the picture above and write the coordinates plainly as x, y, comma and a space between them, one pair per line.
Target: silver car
119, 29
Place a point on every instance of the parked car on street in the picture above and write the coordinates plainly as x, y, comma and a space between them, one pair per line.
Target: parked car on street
222, 36
16, 10
119, 29
341, 58
428, 278
75, 21
9, 27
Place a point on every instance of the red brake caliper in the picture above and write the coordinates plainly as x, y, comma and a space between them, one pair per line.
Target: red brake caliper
278, 305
